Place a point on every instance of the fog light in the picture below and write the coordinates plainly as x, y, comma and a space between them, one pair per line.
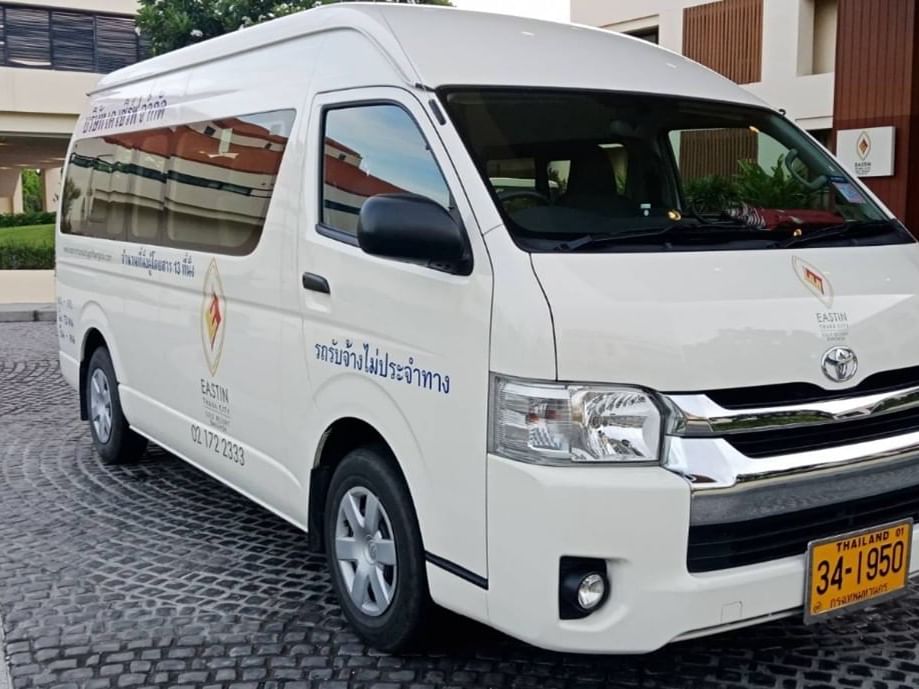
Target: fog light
591, 591
583, 587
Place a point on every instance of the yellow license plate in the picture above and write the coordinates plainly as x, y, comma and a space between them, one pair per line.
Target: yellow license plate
857, 569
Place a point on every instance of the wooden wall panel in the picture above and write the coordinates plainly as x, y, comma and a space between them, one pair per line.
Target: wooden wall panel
726, 36
877, 84
716, 152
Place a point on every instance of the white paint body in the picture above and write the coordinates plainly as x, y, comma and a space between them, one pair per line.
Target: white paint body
673, 322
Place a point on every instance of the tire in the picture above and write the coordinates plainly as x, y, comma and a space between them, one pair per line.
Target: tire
113, 438
363, 475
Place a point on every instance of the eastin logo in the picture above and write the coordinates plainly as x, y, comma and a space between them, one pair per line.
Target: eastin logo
815, 281
213, 318
863, 145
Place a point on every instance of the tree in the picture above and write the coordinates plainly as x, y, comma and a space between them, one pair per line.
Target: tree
170, 24
32, 201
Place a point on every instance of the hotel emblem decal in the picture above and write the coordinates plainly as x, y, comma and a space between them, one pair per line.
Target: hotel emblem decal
213, 317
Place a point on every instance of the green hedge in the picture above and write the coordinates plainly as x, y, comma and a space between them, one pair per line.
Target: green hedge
26, 257
22, 219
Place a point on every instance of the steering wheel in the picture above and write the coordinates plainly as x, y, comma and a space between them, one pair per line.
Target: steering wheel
511, 194
815, 184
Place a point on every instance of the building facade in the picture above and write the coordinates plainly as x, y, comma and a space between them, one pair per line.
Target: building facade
51, 54
839, 68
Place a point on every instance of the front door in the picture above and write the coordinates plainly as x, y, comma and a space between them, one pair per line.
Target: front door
404, 347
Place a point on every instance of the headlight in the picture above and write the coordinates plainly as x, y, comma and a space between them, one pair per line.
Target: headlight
547, 423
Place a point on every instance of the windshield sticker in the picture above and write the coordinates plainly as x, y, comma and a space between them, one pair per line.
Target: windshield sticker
848, 190
381, 364
815, 281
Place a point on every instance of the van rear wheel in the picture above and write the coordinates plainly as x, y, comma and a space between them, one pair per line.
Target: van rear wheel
113, 438
374, 551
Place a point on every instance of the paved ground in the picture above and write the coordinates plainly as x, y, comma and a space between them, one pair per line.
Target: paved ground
155, 575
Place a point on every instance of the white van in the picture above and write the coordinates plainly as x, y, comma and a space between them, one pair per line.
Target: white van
664, 385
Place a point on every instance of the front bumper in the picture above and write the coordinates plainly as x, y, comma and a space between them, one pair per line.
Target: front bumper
636, 519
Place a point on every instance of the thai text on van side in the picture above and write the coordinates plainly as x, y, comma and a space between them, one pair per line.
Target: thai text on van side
182, 267
133, 111
382, 365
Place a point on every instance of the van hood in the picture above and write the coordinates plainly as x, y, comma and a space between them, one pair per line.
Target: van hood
696, 321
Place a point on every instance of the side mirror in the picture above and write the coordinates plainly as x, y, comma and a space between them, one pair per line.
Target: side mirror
412, 228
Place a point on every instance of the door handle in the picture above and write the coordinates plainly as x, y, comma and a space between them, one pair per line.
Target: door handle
316, 283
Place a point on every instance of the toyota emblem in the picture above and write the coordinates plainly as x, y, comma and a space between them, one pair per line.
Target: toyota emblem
839, 364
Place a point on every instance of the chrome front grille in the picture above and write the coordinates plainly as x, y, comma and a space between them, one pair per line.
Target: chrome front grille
825, 435
700, 416
766, 480
735, 544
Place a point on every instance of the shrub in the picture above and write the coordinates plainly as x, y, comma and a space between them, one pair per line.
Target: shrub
712, 193
22, 219
26, 257
751, 186
776, 190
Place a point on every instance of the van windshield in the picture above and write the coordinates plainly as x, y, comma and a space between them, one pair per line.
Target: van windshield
600, 171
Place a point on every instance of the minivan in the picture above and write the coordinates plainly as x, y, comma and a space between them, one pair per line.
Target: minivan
537, 323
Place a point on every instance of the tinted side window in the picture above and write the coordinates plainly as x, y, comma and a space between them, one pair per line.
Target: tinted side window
371, 150
203, 186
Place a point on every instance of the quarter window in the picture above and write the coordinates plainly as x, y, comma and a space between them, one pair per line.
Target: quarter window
203, 186
371, 150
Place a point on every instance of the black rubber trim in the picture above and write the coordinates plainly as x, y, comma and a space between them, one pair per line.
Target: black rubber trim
455, 569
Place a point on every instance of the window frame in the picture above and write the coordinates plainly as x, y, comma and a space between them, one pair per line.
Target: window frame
338, 234
523, 239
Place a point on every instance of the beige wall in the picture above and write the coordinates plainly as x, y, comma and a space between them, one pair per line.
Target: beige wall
826, 18
39, 101
791, 71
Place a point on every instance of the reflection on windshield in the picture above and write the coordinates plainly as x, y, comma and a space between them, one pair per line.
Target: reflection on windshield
565, 164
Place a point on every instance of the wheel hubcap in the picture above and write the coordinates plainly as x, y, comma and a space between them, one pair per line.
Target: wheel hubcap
366, 551
100, 405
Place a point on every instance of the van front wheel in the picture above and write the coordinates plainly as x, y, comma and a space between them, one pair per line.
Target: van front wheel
113, 438
374, 551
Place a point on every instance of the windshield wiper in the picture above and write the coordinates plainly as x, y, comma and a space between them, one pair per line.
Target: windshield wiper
690, 231
851, 228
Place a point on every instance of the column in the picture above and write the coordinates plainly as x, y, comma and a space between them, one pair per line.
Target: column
11, 191
51, 188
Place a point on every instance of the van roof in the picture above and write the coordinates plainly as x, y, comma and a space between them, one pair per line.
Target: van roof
441, 46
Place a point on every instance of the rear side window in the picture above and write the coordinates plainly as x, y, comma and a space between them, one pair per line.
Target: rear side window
371, 150
204, 186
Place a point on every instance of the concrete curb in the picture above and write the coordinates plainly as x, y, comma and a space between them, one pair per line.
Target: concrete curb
5, 681
19, 313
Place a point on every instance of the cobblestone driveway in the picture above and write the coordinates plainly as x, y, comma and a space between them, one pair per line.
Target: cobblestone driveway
156, 575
